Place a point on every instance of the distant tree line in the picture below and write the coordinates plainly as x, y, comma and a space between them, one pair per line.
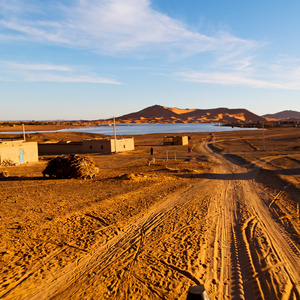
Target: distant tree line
11, 124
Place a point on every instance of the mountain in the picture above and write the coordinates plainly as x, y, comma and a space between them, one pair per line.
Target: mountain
284, 115
163, 114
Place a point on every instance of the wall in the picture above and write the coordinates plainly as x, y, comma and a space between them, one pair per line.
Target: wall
108, 145
60, 148
86, 146
11, 150
97, 146
176, 140
122, 144
181, 140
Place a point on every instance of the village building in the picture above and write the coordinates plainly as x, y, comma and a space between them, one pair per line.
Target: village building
104, 146
108, 145
18, 152
176, 140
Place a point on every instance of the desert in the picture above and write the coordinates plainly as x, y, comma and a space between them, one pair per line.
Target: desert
149, 150
225, 215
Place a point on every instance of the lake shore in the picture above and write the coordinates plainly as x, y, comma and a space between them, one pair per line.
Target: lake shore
19, 128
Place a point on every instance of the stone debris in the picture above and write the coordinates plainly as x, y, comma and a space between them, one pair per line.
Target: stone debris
8, 163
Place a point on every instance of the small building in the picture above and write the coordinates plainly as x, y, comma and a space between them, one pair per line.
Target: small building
18, 152
176, 140
87, 146
57, 148
108, 145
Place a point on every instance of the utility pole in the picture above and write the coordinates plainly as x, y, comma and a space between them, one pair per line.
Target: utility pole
115, 135
24, 137
263, 126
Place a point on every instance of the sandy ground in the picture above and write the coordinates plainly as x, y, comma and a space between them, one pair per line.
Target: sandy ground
225, 215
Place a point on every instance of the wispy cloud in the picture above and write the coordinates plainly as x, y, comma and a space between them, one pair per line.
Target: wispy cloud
36, 67
275, 76
224, 79
134, 28
116, 27
71, 79
13, 71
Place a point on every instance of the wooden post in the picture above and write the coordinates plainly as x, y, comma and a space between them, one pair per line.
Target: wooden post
175, 155
263, 136
115, 135
167, 155
24, 137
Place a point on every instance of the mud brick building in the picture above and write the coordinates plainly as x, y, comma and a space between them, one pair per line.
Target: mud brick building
18, 152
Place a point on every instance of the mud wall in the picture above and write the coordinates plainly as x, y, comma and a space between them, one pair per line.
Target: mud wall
19, 151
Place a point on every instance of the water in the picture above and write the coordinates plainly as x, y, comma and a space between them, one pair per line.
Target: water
135, 129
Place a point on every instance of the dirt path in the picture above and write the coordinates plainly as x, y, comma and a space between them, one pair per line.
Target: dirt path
265, 259
218, 231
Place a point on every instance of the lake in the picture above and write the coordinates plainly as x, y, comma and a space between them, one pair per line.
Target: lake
134, 129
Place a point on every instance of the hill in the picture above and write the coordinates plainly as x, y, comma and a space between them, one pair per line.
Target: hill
163, 114
284, 115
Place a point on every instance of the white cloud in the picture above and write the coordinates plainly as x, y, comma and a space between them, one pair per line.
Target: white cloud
134, 28
37, 67
269, 77
132, 25
116, 27
229, 79
32, 77
12, 71
11, 6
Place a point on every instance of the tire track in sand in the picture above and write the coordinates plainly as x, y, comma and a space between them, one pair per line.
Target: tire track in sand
265, 262
126, 246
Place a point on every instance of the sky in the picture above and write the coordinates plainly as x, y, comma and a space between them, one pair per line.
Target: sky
94, 59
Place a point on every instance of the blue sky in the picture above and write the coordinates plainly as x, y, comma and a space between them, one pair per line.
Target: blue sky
94, 59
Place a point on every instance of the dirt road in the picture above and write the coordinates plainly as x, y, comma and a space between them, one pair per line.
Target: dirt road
219, 228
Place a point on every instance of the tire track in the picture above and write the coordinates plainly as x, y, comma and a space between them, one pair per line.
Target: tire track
283, 252
276, 240
125, 246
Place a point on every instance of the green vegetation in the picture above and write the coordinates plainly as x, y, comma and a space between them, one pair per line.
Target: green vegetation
19, 123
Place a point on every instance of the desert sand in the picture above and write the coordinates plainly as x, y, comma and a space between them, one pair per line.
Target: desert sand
225, 215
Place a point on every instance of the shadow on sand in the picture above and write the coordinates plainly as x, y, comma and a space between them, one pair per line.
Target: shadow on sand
19, 178
251, 175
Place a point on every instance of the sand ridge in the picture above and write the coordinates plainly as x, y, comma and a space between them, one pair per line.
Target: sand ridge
179, 111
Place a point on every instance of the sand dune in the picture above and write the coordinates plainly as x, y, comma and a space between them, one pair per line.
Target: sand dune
163, 114
179, 111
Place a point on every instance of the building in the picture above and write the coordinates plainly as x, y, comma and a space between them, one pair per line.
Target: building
18, 152
87, 146
108, 145
56, 148
176, 140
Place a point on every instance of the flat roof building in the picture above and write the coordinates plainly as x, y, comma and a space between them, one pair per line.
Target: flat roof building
18, 152
176, 140
87, 146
